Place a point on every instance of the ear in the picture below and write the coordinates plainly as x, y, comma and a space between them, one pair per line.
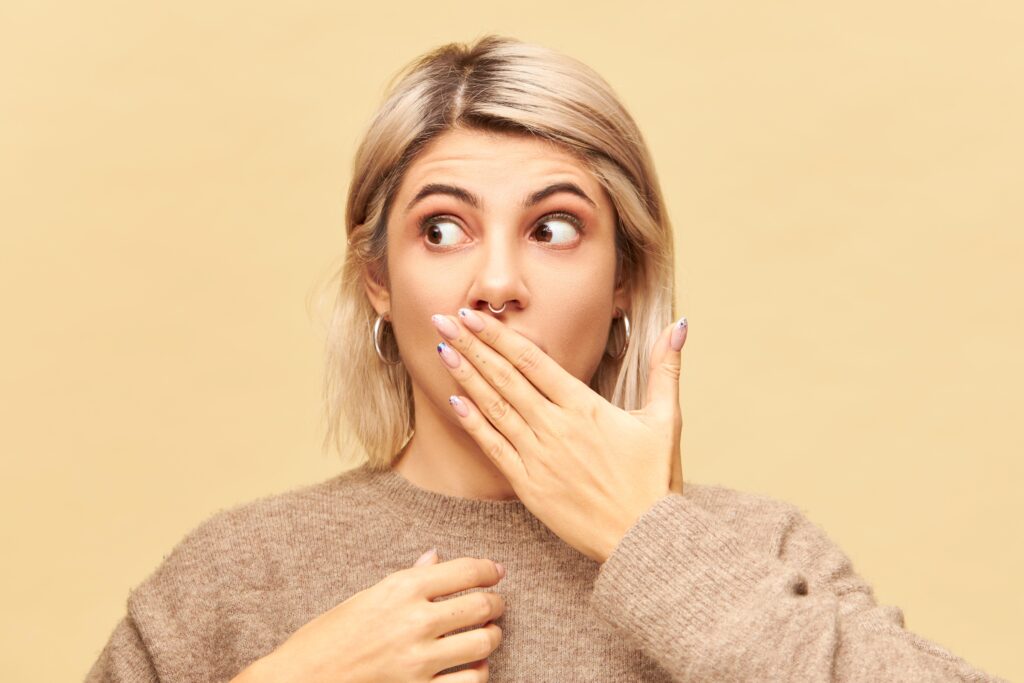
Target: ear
376, 291
621, 297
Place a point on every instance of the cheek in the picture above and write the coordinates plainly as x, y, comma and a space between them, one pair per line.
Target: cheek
418, 290
576, 330
417, 294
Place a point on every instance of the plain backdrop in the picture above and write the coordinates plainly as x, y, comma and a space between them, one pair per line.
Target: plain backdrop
844, 180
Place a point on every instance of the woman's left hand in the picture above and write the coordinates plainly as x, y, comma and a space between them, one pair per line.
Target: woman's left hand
584, 467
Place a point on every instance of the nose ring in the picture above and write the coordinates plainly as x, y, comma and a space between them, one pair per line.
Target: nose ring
500, 310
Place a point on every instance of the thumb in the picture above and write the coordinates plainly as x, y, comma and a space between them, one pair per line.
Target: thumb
666, 362
429, 557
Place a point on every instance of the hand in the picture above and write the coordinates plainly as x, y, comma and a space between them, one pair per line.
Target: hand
584, 467
393, 630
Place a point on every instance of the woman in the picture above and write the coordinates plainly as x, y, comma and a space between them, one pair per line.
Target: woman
503, 204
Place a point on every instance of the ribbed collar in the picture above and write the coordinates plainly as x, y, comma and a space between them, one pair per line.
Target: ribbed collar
447, 515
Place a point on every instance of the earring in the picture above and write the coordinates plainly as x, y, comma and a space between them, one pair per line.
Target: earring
622, 351
377, 325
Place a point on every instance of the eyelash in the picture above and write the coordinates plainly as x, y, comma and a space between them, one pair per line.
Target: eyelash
570, 217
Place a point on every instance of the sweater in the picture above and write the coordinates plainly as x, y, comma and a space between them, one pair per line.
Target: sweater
713, 584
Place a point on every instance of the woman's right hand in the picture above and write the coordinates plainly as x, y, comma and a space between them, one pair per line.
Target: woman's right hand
392, 631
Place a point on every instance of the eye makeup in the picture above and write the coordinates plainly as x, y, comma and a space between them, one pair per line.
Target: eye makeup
571, 218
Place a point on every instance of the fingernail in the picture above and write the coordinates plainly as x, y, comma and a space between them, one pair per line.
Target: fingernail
425, 557
471, 320
678, 334
445, 326
448, 355
501, 569
459, 405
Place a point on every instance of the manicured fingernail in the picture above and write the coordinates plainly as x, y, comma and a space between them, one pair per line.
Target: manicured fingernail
448, 355
501, 569
445, 326
459, 405
425, 557
678, 334
471, 320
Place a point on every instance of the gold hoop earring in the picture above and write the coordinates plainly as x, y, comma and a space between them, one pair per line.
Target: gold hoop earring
377, 325
622, 351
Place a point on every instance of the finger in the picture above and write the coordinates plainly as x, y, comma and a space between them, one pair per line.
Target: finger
499, 411
501, 374
543, 372
663, 380
476, 672
471, 609
429, 557
457, 575
467, 646
493, 444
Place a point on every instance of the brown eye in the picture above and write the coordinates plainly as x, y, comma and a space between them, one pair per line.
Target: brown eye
439, 229
558, 229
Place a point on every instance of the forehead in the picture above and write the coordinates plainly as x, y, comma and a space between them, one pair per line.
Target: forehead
506, 158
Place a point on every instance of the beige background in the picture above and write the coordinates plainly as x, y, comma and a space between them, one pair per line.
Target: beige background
845, 182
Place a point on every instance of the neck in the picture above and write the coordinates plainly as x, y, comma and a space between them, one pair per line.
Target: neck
443, 457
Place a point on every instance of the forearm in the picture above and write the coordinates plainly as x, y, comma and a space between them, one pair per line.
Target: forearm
702, 603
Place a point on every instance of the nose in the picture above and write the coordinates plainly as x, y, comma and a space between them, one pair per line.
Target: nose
499, 286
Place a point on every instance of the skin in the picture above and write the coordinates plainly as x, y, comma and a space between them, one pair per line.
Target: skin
559, 284
584, 467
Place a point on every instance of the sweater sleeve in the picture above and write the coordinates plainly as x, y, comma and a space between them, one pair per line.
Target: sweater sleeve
188, 620
687, 589
124, 659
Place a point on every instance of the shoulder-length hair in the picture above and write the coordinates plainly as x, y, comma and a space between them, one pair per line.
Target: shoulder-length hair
497, 84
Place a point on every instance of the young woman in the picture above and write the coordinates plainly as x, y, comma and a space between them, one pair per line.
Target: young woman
503, 354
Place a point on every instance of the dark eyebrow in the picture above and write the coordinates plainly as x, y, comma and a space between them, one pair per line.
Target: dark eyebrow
571, 188
471, 199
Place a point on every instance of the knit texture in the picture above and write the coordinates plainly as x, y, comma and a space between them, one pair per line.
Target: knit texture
713, 584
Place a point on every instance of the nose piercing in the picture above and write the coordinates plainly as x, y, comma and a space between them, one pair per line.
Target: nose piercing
500, 310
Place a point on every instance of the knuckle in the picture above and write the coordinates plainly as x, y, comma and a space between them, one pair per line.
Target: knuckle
497, 409
586, 409
670, 371
472, 574
481, 606
558, 428
412, 583
427, 620
410, 658
399, 582
496, 636
502, 378
468, 344
495, 451
528, 358
483, 643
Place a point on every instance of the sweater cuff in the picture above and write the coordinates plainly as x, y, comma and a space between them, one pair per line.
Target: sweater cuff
673, 575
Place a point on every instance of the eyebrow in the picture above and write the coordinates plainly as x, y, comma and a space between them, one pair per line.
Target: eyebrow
474, 201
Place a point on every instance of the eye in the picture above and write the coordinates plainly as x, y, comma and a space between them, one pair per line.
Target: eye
559, 225
555, 228
434, 228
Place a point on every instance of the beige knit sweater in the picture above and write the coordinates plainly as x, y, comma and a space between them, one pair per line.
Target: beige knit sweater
711, 585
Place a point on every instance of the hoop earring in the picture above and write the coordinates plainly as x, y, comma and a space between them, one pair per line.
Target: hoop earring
622, 351
376, 341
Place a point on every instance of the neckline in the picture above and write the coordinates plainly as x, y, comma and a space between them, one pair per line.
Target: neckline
449, 515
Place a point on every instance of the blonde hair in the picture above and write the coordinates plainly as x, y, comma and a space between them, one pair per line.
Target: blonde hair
503, 85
